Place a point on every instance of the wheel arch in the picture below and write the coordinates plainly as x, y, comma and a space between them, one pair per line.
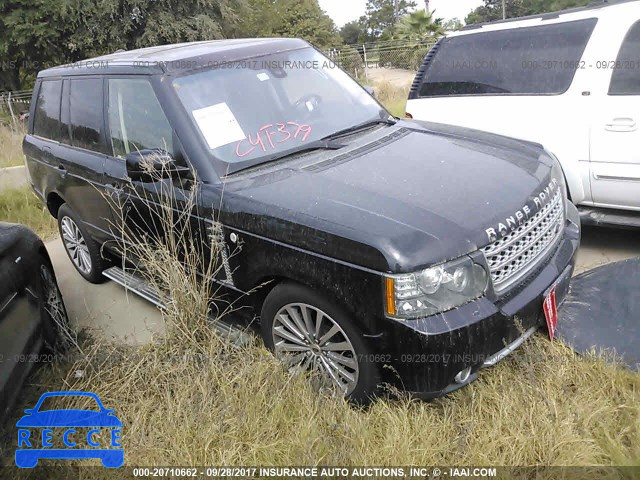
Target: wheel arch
54, 202
269, 282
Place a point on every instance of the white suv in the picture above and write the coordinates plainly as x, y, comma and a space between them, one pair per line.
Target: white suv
569, 80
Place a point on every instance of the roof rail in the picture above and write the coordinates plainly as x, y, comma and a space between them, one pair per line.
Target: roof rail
595, 4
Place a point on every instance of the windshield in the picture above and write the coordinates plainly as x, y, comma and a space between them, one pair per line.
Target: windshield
253, 111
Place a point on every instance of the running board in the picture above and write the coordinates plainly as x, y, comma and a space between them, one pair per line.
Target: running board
612, 218
135, 284
142, 288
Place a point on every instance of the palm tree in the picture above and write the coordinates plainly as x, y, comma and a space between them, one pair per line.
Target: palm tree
419, 26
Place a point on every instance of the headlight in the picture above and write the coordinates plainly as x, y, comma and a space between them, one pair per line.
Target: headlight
436, 289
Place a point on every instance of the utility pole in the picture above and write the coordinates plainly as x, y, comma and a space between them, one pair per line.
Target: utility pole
426, 6
504, 9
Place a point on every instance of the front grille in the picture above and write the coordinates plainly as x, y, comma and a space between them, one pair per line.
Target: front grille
516, 254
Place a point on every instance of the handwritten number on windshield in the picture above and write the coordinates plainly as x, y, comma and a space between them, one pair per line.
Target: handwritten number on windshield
269, 136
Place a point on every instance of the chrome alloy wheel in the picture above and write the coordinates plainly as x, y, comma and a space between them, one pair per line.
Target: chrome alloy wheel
76, 246
305, 337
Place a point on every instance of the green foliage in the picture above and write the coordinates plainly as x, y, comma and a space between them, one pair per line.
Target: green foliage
492, 9
20, 205
419, 26
32, 34
108, 25
290, 18
36, 34
382, 15
452, 25
353, 32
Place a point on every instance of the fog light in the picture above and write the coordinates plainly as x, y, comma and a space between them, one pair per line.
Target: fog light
463, 375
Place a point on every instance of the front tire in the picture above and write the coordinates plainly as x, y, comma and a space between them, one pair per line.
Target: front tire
53, 313
83, 251
306, 331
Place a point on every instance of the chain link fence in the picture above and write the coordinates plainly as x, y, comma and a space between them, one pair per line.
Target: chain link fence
359, 59
14, 106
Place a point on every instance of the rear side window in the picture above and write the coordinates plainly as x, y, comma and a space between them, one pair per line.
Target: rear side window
86, 113
626, 73
532, 60
46, 122
136, 119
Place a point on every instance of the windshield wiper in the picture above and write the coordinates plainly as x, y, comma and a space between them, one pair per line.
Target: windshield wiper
323, 144
326, 143
360, 126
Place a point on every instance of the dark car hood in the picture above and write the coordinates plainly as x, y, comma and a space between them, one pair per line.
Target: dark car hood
69, 418
421, 194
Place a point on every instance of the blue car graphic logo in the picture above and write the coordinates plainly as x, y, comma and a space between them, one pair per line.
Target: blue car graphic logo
36, 429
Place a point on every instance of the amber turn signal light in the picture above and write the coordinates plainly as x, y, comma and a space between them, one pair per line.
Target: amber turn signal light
390, 296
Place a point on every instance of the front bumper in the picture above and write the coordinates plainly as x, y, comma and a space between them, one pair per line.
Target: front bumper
426, 354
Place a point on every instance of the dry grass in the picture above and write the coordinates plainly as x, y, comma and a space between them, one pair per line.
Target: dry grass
199, 402
22, 206
11, 146
392, 97
193, 399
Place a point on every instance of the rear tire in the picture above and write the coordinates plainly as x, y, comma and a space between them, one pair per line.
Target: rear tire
83, 251
305, 330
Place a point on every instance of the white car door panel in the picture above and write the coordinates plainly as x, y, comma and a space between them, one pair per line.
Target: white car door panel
615, 133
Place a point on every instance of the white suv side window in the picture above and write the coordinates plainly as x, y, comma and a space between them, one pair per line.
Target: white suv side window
626, 75
136, 119
540, 60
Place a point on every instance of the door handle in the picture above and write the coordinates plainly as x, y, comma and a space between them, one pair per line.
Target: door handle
62, 170
621, 125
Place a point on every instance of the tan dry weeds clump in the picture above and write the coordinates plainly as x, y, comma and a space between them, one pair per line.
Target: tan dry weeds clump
11, 145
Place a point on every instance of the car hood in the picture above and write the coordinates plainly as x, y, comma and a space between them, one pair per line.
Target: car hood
69, 418
398, 199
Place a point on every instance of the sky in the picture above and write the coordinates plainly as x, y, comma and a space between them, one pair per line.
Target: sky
343, 11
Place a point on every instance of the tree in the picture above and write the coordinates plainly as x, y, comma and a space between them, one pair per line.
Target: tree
492, 9
32, 37
290, 18
35, 34
382, 15
108, 25
419, 26
353, 32
452, 25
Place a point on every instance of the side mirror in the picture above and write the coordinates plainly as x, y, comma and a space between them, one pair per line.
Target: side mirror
370, 90
154, 164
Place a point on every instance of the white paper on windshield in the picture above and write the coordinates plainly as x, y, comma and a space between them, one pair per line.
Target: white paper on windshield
218, 124
263, 76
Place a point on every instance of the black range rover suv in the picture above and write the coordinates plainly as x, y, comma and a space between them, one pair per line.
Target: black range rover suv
425, 248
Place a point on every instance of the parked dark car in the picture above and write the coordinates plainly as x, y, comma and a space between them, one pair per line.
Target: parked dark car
32, 312
421, 247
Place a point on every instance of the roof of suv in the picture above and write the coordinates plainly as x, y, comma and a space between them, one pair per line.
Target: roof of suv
177, 57
598, 8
